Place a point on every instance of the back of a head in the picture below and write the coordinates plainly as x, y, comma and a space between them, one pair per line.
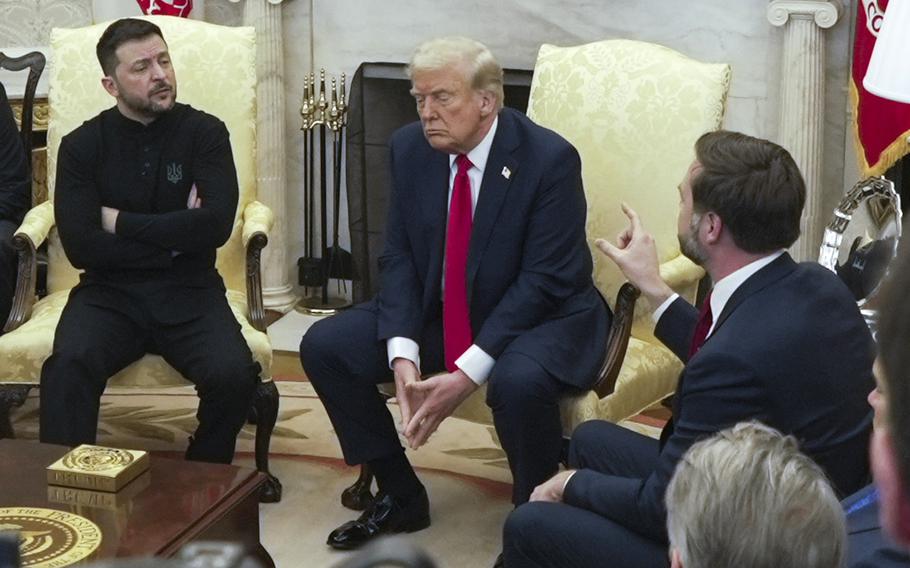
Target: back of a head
753, 185
118, 33
747, 497
482, 70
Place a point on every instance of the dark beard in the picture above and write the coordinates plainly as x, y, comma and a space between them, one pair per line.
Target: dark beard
148, 107
689, 245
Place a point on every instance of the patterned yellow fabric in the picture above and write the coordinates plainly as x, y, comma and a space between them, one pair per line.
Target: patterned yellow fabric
633, 110
37, 223
257, 218
215, 69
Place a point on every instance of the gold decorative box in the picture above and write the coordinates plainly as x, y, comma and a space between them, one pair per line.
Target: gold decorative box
97, 468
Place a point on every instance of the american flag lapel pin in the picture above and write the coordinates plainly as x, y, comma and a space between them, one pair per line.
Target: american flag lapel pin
506, 172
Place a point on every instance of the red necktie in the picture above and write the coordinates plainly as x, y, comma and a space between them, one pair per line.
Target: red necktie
456, 322
705, 319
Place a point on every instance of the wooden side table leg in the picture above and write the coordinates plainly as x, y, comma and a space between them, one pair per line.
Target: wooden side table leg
10, 396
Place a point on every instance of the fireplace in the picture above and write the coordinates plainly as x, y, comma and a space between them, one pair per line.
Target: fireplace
380, 102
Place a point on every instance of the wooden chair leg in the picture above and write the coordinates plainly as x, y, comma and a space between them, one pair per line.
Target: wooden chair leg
10, 396
358, 496
265, 414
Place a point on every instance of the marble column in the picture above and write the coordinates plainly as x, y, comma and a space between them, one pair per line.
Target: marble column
802, 103
265, 16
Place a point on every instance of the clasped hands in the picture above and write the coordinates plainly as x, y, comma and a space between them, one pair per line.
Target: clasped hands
425, 404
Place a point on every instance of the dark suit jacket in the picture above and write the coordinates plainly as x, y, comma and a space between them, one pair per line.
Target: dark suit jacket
789, 349
529, 267
867, 545
15, 185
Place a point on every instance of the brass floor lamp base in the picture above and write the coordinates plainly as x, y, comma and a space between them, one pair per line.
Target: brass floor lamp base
314, 306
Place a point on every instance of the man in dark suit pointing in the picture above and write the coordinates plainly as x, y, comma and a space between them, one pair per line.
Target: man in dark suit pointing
485, 275
776, 341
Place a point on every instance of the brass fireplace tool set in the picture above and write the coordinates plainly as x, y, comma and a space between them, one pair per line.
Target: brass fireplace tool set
322, 112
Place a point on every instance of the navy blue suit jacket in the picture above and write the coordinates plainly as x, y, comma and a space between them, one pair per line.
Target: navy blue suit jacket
789, 349
867, 545
529, 266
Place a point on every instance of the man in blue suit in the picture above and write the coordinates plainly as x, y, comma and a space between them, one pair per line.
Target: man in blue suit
485, 275
776, 341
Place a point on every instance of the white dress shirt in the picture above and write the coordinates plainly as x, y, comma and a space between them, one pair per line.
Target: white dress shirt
475, 362
724, 288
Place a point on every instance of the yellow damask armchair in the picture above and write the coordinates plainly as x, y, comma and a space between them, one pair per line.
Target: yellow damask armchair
216, 72
634, 111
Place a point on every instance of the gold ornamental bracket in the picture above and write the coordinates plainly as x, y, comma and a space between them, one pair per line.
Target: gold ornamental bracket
49, 538
318, 108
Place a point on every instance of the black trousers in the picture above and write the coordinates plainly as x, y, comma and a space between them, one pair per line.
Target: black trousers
8, 264
105, 328
560, 536
344, 361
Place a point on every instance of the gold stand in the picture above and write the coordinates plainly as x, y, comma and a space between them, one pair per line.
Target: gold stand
314, 306
324, 117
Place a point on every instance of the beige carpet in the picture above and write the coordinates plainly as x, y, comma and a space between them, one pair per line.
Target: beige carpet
463, 468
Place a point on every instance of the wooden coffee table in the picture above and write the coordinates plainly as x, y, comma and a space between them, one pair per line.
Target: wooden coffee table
172, 504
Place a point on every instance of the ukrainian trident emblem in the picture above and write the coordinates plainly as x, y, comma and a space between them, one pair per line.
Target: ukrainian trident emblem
174, 172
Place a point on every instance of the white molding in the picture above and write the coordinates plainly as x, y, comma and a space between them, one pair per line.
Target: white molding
825, 12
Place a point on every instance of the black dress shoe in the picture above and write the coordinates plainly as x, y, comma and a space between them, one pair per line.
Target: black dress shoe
387, 515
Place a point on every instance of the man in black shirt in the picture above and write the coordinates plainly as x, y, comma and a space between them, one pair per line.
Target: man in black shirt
14, 200
146, 191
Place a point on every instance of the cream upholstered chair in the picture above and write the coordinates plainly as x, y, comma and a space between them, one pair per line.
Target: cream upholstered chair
216, 72
634, 111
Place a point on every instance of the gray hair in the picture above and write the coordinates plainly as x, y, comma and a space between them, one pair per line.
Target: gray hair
482, 70
747, 497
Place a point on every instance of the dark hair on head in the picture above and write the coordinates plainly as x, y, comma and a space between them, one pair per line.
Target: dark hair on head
753, 185
894, 357
118, 33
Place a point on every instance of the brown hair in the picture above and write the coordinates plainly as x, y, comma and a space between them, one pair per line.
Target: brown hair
118, 33
753, 185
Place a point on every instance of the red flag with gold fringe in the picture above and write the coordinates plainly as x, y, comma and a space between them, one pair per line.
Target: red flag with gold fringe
881, 126
180, 8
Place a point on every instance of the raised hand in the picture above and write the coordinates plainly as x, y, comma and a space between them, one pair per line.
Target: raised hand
636, 255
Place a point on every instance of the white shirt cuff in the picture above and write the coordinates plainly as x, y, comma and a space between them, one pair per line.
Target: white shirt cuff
655, 317
566, 483
476, 364
404, 348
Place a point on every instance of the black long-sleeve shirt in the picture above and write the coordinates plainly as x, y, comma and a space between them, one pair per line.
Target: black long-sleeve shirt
15, 190
146, 172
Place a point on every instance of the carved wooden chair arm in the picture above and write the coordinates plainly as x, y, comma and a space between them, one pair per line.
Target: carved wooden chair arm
28, 237
617, 340
257, 222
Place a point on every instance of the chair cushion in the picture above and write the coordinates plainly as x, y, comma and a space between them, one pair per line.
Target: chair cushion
25, 349
215, 68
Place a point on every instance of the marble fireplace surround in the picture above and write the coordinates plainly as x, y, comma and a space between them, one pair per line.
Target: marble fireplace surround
790, 60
